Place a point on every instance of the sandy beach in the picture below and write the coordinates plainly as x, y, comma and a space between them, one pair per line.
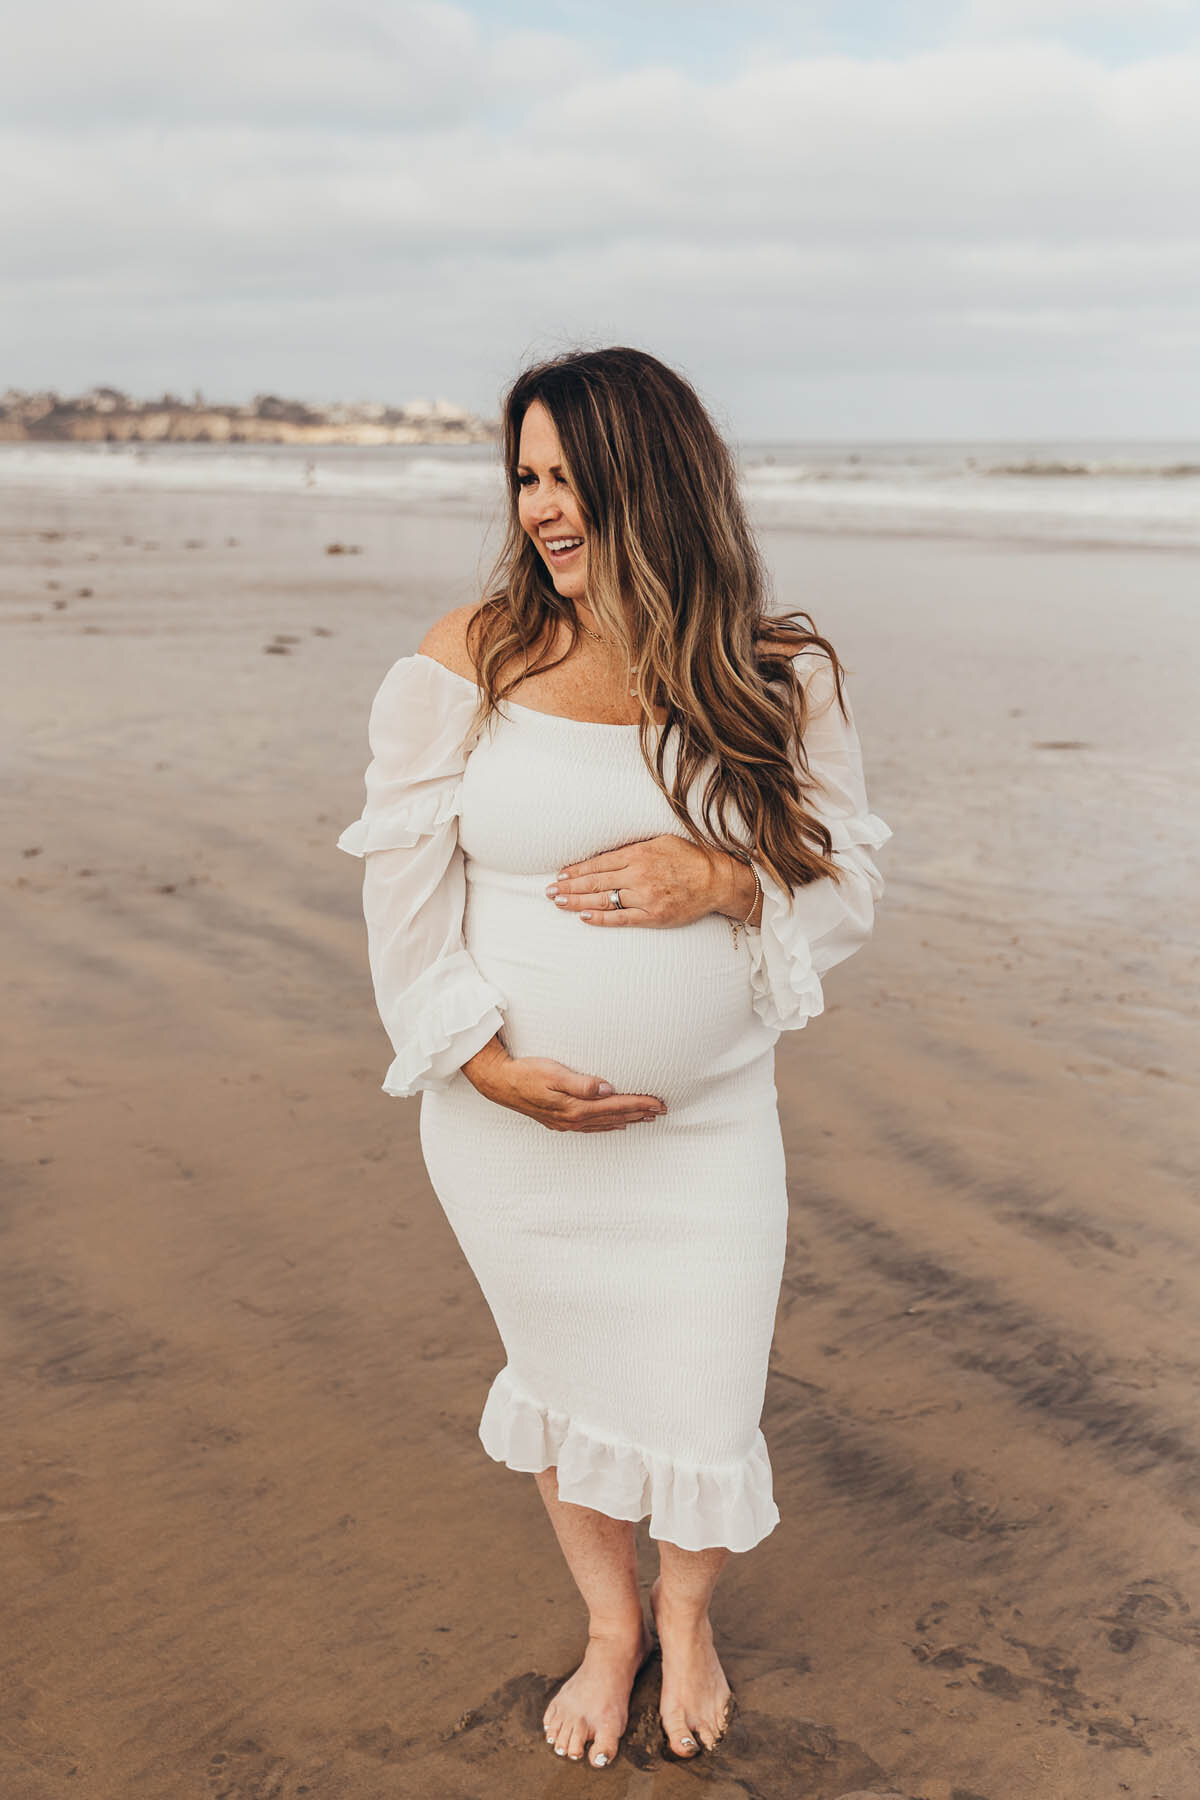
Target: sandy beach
251, 1547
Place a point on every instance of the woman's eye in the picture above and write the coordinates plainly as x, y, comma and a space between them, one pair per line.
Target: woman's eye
524, 480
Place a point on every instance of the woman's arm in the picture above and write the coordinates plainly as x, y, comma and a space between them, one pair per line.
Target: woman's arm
435, 1005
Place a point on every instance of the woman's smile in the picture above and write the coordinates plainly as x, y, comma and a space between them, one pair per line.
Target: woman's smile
561, 550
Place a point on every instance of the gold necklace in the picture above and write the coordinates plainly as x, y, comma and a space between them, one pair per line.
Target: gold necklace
599, 637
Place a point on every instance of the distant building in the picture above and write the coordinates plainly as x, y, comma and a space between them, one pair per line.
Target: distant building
106, 415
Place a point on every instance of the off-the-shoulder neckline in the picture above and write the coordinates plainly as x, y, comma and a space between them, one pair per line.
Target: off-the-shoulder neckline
536, 711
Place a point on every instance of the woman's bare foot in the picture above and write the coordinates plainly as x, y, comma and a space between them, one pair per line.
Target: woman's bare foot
593, 1706
696, 1698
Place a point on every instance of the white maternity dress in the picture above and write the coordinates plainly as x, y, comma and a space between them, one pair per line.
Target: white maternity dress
633, 1275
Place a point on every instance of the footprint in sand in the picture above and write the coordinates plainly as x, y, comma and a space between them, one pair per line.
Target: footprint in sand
248, 1772
1151, 1608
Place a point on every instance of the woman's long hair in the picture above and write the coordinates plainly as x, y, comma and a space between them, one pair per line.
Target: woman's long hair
657, 489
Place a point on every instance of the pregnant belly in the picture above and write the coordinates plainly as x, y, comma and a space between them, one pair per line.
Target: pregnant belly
664, 1012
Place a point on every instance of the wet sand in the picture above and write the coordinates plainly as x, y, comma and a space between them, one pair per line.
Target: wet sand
251, 1546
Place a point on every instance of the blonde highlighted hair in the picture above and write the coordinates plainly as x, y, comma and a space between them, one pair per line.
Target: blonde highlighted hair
656, 486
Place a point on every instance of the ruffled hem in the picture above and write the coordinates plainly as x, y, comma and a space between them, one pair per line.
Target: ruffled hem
439, 1021
867, 830
785, 987
784, 978
401, 826
697, 1508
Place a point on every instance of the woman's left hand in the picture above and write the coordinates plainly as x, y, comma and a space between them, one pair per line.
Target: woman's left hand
662, 881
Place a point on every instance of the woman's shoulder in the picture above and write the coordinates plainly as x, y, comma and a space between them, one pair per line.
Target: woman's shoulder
447, 641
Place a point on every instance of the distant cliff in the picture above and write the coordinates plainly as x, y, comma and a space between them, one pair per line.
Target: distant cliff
105, 415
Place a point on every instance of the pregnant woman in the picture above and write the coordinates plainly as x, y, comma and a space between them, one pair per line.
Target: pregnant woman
615, 831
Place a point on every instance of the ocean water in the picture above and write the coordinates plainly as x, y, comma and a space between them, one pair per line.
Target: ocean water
1135, 494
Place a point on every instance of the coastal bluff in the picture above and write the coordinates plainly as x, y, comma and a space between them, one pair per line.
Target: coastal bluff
106, 415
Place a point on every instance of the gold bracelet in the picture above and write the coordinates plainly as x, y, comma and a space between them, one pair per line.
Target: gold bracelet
737, 925
757, 894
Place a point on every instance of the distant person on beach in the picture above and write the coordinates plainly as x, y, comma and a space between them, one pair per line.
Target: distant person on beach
615, 832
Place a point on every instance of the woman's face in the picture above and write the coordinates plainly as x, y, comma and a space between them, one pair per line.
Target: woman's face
547, 507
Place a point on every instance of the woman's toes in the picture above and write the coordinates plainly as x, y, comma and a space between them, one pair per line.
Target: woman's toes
577, 1742
710, 1733
603, 1750
680, 1736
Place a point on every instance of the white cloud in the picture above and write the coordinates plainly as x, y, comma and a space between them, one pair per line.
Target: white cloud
1042, 17
374, 64
393, 209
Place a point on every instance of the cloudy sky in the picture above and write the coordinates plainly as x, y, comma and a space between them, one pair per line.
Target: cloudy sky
920, 219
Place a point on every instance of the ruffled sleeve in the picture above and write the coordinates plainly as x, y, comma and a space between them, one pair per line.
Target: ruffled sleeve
802, 935
435, 1005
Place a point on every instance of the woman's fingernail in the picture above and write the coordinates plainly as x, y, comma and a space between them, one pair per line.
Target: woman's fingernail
560, 899
551, 891
604, 1090
585, 915
562, 875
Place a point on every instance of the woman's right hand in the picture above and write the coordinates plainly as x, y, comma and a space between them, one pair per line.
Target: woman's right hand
559, 1098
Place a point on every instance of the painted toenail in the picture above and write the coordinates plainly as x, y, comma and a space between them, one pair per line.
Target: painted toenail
560, 1750
600, 1761
687, 1743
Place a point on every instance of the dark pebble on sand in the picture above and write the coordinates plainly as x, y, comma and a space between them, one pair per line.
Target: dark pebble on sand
276, 650
343, 549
